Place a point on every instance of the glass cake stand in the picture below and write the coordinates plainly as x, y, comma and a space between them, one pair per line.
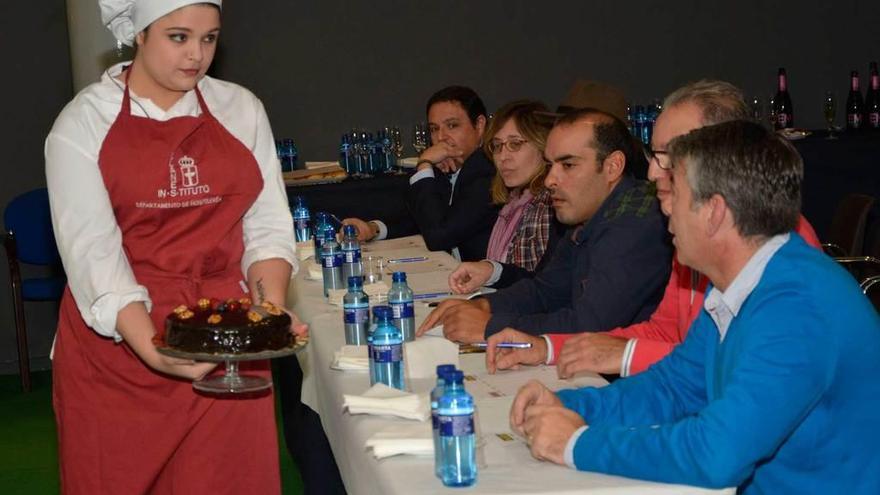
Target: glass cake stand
231, 382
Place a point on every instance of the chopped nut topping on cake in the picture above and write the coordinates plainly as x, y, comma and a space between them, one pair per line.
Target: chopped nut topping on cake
215, 319
185, 314
271, 308
254, 316
245, 300
204, 303
181, 309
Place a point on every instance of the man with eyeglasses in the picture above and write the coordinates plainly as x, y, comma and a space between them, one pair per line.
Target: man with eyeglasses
630, 350
774, 390
610, 266
452, 211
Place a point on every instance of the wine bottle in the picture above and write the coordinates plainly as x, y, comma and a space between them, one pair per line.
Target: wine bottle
782, 103
872, 103
855, 106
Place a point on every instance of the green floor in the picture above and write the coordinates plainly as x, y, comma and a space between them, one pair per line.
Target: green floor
28, 452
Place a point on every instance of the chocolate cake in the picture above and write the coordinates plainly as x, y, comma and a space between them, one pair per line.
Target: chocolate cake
228, 327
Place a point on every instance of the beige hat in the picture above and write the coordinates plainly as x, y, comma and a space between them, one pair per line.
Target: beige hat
593, 94
126, 18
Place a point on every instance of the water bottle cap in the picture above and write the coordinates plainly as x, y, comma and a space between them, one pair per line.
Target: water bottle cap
299, 201
444, 369
349, 230
382, 312
355, 282
455, 376
398, 277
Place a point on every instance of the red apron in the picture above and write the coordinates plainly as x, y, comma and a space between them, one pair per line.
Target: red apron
179, 191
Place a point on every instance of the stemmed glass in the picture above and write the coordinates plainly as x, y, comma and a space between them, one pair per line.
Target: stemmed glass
771, 113
829, 109
757, 110
420, 138
397, 149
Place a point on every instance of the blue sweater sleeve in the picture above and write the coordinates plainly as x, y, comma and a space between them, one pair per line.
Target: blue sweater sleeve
668, 390
771, 381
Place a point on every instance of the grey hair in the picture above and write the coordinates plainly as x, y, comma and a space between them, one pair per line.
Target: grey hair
719, 101
757, 172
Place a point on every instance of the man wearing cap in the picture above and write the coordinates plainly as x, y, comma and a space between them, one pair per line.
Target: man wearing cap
610, 267
165, 190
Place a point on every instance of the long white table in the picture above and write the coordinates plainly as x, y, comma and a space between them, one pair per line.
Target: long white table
509, 468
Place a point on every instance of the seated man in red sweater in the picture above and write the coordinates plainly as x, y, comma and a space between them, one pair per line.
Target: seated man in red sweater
632, 349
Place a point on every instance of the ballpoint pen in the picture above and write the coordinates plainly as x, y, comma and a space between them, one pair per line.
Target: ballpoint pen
431, 295
414, 259
505, 345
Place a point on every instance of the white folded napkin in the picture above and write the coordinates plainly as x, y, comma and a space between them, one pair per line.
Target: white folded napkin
377, 290
305, 249
315, 272
377, 293
351, 358
411, 439
435, 332
381, 399
422, 356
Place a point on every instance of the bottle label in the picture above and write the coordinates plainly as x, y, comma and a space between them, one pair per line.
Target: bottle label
386, 353
783, 120
455, 426
874, 118
356, 314
301, 223
332, 260
352, 255
402, 310
854, 120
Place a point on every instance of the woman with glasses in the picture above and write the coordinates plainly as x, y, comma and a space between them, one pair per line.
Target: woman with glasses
526, 228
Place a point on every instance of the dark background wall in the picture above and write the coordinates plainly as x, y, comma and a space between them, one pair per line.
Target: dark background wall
36, 84
322, 67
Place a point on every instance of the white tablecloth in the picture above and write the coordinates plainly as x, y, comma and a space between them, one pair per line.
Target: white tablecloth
509, 466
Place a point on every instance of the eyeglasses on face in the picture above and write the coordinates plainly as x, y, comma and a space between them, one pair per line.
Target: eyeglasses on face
661, 156
513, 145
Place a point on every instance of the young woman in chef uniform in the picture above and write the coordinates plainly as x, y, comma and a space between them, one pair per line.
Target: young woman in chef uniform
164, 187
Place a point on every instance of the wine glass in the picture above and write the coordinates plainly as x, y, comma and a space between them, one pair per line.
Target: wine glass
757, 110
829, 109
420, 141
771, 113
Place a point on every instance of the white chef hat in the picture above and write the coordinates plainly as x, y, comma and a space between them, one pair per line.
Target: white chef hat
126, 18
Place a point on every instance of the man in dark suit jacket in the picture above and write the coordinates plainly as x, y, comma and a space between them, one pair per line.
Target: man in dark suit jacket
453, 211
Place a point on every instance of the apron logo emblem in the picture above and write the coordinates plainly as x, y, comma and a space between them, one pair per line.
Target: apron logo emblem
188, 174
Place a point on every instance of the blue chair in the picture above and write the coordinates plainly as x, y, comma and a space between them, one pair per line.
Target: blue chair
30, 240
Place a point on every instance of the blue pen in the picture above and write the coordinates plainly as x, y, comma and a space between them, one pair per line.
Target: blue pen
414, 259
431, 295
505, 345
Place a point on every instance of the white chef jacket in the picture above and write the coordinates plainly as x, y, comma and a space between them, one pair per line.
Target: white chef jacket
89, 239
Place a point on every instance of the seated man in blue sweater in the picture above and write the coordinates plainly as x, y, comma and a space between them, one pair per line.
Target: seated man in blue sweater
609, 269
775, 389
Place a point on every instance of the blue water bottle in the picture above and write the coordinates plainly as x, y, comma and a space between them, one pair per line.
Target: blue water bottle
386, 350
356, 312
288, 155
442, 371
331, 263
302, 219
321, 221
455, 417
351, 251
400, 297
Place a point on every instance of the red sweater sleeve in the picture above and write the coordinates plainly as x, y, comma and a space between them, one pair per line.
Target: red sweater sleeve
661, 329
